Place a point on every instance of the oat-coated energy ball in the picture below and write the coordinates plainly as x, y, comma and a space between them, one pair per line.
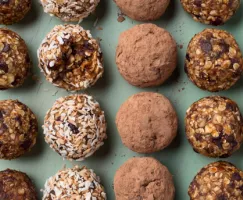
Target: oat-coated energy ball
18, 129
16, 185
70, 58
75, 127
70, 10
74, 184
214, 60
15, 61
214, 126
217, 181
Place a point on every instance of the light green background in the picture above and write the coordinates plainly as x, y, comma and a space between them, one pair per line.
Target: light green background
111, 92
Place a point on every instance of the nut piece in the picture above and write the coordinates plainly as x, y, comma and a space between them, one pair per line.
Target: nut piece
217, 181
214, 61
70, 58
214, 126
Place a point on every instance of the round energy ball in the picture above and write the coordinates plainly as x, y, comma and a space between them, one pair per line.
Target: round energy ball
143, 10
217, 181
146, 55
75, 183
75, 127
18, 129
214, 126
15, 61
143, 178
15, 185
147, 122
213, 12
12, 11
213, 60
69, 10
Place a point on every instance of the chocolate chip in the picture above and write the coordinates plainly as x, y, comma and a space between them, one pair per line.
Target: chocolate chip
188, 57
236, 177
224, 47
18, 119
222, 197
73, 128
3, 67
26, 144
58, 118
218, 141
224, 156
231, 106
198, 3
218, 21
198, 137
205, 45
1, 116
6, 47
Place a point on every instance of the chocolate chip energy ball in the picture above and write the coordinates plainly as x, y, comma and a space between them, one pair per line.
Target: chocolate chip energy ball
214, 12
69, 10
70, 58
75, 183
15, 185
18, 129
14, 59
143, 10
214, 126
12, 11
214, 60
217, 181
146, 55
143, 178
147, 122
75, 127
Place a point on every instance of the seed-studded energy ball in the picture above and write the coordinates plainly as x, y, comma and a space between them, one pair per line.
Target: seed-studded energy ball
12, 11
69, 10
217, 181
15, 185
214, 126
18, 129
75, 127
143, 178
75, 183
214, 60
14, 59
70, 58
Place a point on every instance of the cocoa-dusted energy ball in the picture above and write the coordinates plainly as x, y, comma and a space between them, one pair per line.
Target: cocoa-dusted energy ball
75, 183
214, 12
143, 10
18, 129
12, 11
143, 178
75, 127
70, 58
147, 122
217, 181
214, 126
146, 55
15, 61
16, 185
214, 60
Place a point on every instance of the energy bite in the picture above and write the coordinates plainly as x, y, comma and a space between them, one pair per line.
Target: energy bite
75, 127
70, 58
213, 12
75, 183
217, 181
16, 185
15, 61
143, 178
213, 60
146, 55
214, 126
18, 129
147, 122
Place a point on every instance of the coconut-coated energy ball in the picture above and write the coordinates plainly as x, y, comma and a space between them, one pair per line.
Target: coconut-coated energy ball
70, 58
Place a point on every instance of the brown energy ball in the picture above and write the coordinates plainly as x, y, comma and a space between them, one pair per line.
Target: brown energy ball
15, 61
15, 185
217, 181
212, 12
146, 55
18, 129
143, 10
214, 60
70, 58
147, 122
143, 178
12, 11
214, 126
